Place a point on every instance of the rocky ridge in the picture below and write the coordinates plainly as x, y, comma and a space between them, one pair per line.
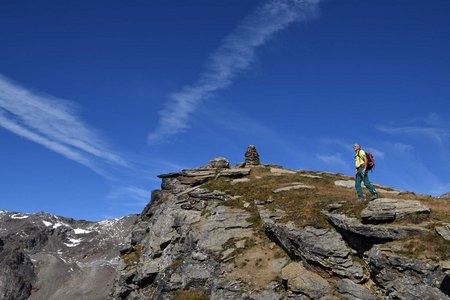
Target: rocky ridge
249, 231
48, 257
255, 231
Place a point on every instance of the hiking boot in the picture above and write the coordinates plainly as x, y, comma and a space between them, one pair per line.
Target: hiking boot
375, 196
360, 200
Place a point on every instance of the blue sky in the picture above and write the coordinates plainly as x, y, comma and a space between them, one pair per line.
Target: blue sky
99, 97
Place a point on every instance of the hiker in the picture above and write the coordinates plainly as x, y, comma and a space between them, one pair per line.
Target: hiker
361, 174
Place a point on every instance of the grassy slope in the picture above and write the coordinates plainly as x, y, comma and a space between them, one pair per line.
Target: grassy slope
303, 206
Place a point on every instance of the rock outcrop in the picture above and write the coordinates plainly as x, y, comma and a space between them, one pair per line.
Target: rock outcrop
406, 278
16, 274
374, 232
205, 236
388, 210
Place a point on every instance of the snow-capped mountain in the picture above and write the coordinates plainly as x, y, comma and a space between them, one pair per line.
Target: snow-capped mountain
43, 256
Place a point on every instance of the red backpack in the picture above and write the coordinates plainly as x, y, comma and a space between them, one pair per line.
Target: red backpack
370, 161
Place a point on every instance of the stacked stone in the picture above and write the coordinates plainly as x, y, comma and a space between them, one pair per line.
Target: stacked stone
251, 156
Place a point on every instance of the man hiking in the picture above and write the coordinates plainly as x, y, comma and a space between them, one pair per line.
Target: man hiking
361, 174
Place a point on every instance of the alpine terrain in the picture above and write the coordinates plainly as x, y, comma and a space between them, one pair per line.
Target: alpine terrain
249, 231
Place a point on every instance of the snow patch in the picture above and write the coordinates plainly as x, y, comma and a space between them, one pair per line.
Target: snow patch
73, 242
48, 224
19, 216
59, 224
81, 231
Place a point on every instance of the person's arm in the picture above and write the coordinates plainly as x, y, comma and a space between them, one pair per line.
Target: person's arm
365, 164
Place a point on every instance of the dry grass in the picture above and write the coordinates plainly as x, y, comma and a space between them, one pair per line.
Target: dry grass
194, 294
304, 206
259, 264
133, 256
429, 246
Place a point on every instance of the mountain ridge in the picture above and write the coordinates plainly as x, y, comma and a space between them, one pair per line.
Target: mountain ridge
249, 231
264, 232
49, 257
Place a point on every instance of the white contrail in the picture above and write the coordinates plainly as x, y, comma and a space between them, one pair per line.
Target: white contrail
54, 124
235, 54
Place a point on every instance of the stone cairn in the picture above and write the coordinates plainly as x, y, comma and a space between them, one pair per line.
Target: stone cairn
251, 156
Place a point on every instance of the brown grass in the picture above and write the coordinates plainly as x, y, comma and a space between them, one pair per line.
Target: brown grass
133, 256
304, 206
194, 294
429, 246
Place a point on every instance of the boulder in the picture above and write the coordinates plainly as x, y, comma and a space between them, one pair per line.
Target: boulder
348, 184
240, 180
374, 231
281, 171
388, 210
300, 280
352, 291
219, 163
444, 231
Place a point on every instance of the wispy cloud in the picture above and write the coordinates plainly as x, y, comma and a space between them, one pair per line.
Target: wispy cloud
54, 124
235, 54
439, 135
403, 147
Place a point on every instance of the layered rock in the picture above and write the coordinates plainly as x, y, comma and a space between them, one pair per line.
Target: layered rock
444, 231
299, 280
352, 291
407, 278
179, 182
181, 245
388, 210
191, 239
374, 232
316, 246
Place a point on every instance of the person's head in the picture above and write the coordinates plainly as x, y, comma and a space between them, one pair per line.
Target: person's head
356, 147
